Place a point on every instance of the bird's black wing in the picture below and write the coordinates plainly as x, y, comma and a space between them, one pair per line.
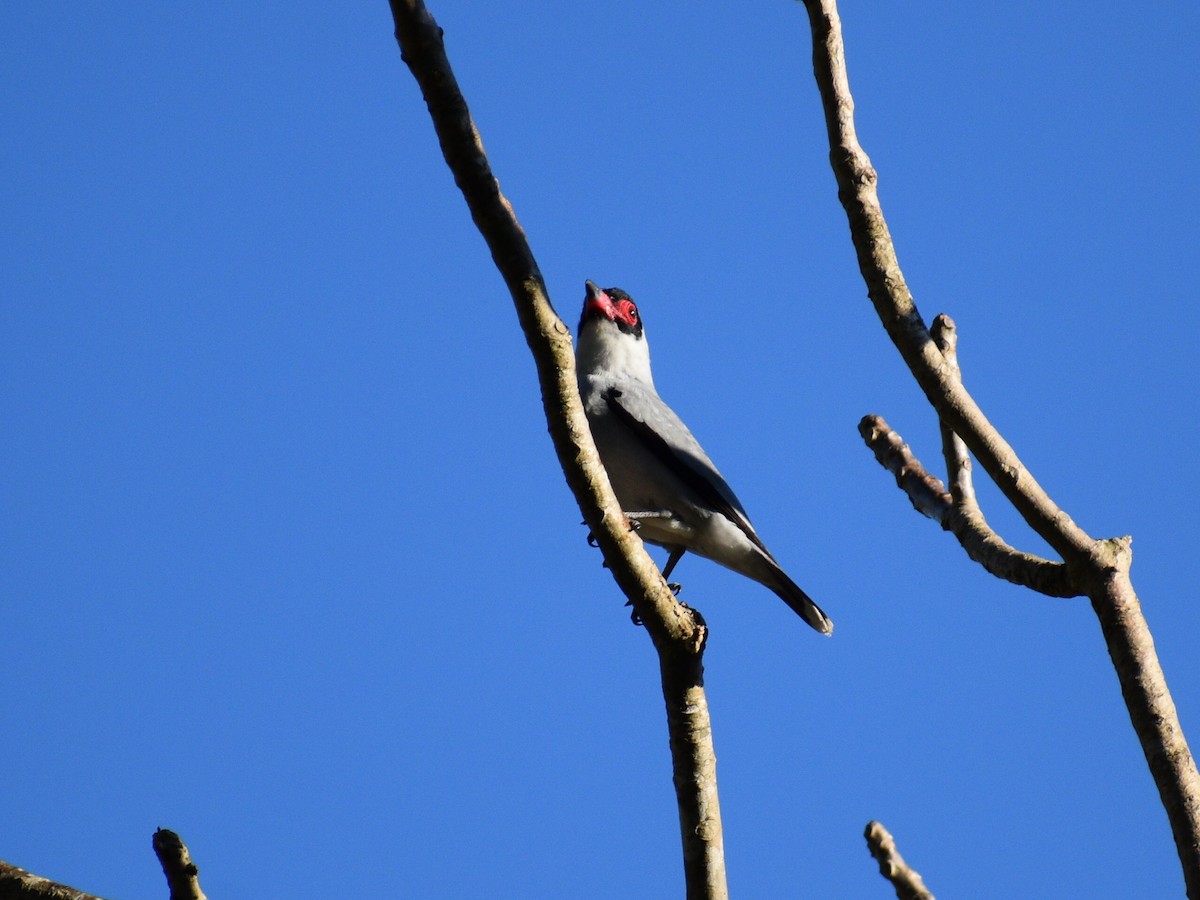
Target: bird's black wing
686, 459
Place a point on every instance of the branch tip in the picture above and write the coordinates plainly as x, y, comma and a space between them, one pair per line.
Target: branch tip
905, 880
183, 876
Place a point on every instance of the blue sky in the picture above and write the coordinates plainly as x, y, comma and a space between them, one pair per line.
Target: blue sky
290, 567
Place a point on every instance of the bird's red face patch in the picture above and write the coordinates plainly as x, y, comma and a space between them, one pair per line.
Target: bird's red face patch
625, 311
615, 305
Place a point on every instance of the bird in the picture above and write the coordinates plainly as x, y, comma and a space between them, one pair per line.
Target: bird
666, 484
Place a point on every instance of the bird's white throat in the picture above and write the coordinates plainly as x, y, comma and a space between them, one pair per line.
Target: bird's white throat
606, 349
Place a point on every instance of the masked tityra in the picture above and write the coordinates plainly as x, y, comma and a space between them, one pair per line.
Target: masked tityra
660, 473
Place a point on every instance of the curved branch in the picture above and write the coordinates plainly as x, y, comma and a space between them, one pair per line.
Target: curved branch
677, 633
1098, 568
895, 305
904, 878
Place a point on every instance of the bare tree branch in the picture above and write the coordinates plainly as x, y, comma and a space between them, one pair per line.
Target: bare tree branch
677, 633
963, 519
17, 884
1097, 568
905, 880
895, 305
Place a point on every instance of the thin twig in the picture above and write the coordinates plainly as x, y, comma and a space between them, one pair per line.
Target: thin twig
905, 880
926, 493
677, 633
958, 459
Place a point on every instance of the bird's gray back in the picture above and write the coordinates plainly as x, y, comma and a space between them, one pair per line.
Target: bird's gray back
644, 406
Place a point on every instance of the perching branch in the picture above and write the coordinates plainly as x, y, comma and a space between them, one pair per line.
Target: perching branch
1097, 568
906, 881
678, 635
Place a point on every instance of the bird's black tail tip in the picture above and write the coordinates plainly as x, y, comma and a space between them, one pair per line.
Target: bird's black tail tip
792, 594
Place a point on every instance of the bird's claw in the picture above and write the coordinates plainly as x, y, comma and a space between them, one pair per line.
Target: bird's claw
633, 615
675, 587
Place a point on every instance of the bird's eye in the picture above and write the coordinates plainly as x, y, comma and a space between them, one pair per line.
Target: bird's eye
632, 313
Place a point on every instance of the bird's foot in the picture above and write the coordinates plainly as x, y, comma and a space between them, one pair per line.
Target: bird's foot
675, 587
633, 615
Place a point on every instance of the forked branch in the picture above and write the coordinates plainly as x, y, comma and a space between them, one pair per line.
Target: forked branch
962, 519
1096, 568
957, 509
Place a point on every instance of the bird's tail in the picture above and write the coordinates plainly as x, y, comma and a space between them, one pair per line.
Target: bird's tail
792, 594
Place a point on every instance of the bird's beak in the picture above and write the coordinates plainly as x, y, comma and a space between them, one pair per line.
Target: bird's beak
598, 300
